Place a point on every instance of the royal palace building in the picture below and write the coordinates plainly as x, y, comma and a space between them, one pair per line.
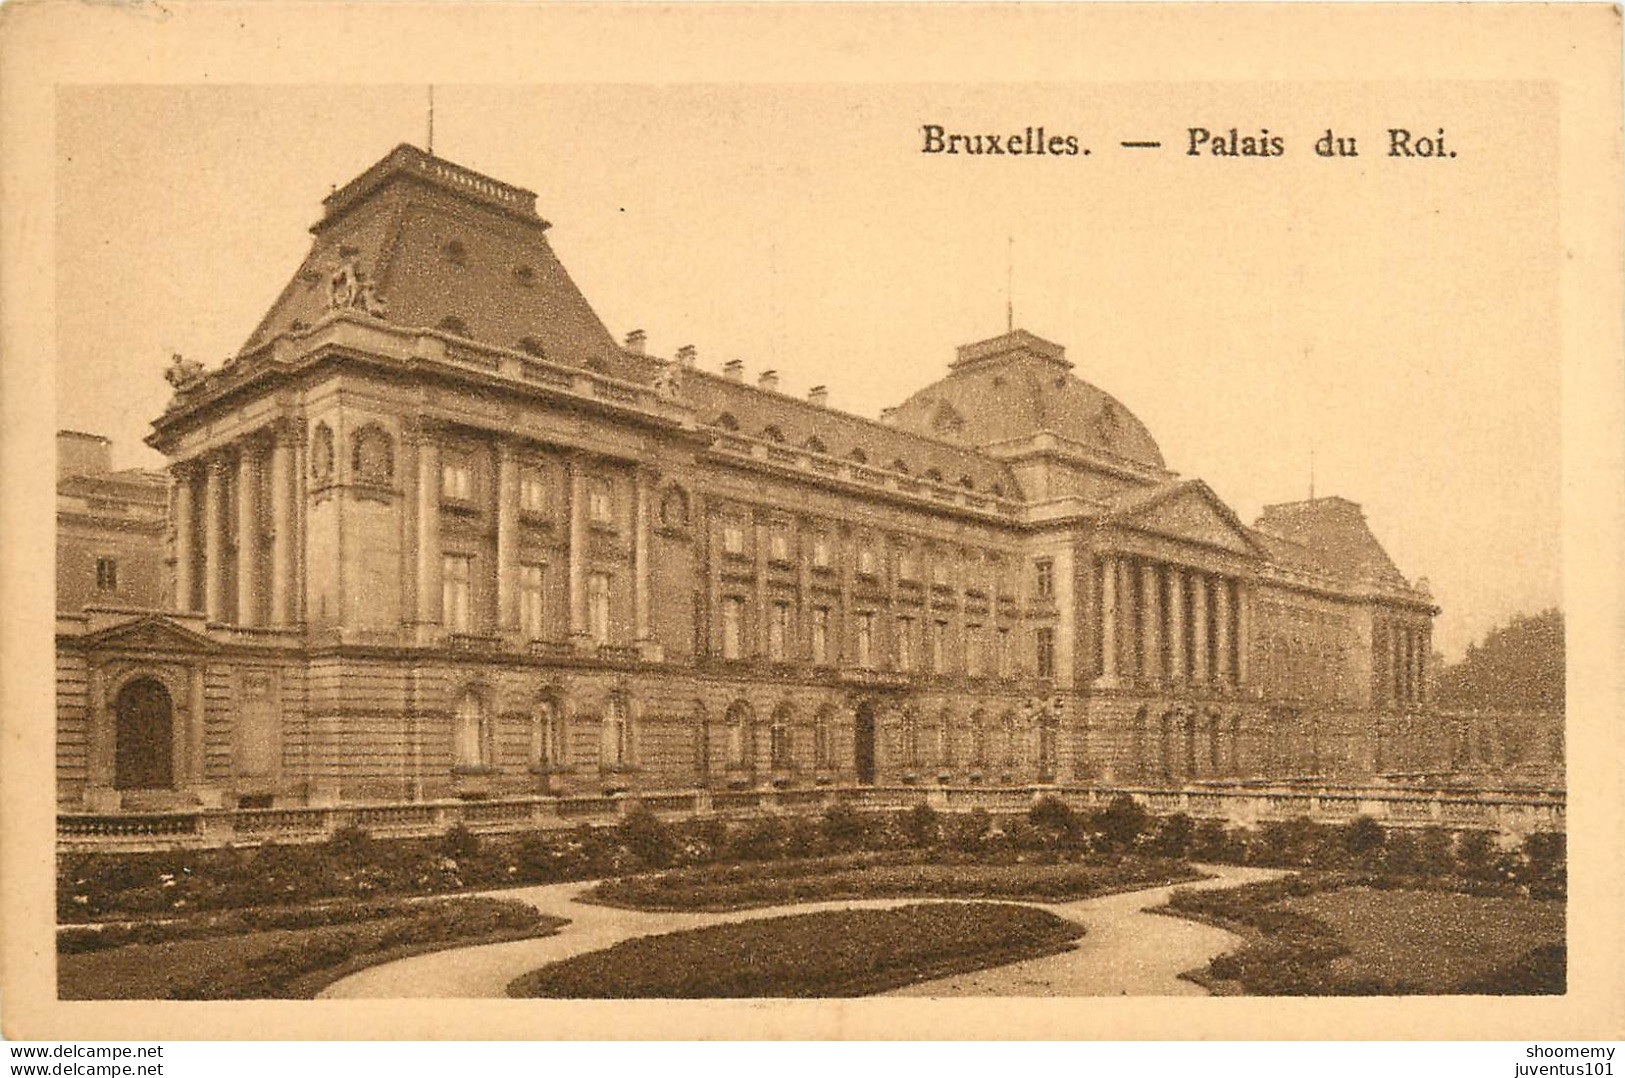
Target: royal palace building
432, 532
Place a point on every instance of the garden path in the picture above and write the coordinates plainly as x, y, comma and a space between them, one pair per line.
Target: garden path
1126, 951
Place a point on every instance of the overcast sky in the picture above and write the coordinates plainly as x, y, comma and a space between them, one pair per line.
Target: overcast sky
1397, 319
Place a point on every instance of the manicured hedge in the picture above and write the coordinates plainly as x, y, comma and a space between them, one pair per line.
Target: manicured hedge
834, 953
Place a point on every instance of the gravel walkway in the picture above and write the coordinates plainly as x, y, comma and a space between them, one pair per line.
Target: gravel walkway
1126, 951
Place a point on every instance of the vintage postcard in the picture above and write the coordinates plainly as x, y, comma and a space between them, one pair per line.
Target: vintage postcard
850, 521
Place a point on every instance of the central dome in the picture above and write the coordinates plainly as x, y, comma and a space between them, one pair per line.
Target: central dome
1015, 386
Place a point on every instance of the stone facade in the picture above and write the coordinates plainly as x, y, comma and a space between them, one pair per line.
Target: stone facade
436, 533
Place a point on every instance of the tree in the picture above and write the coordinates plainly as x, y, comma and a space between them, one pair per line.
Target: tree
1518, 665
1120, 822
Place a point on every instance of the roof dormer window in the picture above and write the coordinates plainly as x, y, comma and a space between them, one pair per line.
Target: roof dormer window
525, 275
455, 252
532, 347
453, 325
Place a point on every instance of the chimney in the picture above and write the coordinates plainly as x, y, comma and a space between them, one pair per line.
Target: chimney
635, 341
768, 380
733, 370
819, 395
686, 355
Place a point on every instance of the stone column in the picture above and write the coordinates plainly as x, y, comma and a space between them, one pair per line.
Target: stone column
282, 525
1225, 674
1176, 624
214, 540
248, 562
1426, 657
1244, 639
185, 540
1151, 623
759, 532
1108, 621
578, 551
507, 566
189, 764
1129, 667
1395, 678
428, 532
641, 568
1200, 668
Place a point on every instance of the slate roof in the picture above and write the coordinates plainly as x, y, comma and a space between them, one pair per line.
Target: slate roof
1327, 536
441, 243
1018, 385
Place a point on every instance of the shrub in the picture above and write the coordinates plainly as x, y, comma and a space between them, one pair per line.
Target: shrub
844, 827
1363, 838
351, 845
922, 825
1054, 817
1171, 837
1120, 823
646, 837
1433, 849
1475, 853
1401, 854
459, 844
965, 832
759, 840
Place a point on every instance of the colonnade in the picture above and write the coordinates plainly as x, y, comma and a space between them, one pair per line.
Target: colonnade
1403, 663
1165, 624
258, 476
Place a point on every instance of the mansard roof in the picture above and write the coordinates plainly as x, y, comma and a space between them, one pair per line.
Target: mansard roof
444, 248
1328, 536
755, 412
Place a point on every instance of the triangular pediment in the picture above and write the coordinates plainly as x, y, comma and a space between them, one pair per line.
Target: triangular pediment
1188, 512
152, 632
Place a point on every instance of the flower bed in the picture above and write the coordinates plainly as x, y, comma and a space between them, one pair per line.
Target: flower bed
219, 959
897, 876
835, 953
1354, 934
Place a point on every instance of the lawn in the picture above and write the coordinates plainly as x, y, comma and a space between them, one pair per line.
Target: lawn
733, 887
1325, 934
825, 954
288, 963
1433, 940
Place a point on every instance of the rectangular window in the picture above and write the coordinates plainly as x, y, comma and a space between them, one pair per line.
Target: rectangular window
733, 538
600, 509
866, 559
866, 640
733, 616
820, 636
905, 643
778, 631
530, 601
778, 544
1004, 653
906, 566
1046, 652
820, 555
939, 572
974, 643
106, 574
456, 479
1044, 578
598, 607
532, 491
939, 633
456, 596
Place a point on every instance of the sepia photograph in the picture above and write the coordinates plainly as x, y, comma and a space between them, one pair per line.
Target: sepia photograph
1025, 538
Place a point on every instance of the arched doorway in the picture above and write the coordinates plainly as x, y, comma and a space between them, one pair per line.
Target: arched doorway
864, 743
144, 741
